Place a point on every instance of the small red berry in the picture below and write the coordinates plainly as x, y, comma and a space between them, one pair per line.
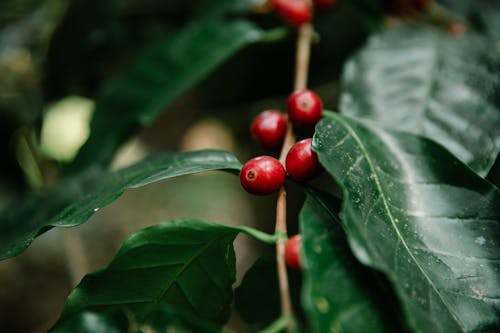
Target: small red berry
295, 12
292, 252
324, 3
301, 162
262, 175
304, 108
269, 129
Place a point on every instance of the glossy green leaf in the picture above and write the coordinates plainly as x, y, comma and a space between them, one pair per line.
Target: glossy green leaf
415, 212
91, 322
257, 298
160, 75
188, 265
422, 80
256, 301
162, 319
338, 294
76, 199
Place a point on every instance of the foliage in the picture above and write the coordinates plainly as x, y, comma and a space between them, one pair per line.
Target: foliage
402, 233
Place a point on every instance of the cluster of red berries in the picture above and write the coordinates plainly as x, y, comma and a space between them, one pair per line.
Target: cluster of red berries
265, 174
298, 12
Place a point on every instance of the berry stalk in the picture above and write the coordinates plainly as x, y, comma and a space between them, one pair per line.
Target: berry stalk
303, 51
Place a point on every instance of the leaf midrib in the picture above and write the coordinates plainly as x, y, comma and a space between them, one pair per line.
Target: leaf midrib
389, 214
195, 256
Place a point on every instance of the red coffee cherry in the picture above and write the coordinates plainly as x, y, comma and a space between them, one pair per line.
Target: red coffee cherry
292, 252
322, 4
262, 175
295, 12
269, 129
301, 162
304, 108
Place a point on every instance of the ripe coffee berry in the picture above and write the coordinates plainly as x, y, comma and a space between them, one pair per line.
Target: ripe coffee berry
292, 252
295, 12
324, 3
304, 108
262, 175
301, 162
269, 129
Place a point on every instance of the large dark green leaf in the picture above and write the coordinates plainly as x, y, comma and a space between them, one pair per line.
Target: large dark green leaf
422, 80
186, 264
258, 301
162, 319
75, 200
160, 75
90, 322
257, 298
339, 294
415, 212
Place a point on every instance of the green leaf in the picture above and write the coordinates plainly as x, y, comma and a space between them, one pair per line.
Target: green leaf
90, 322
165, 319
258, 301
188, 265
162, 319
415, 212
422, 80
160, 74
257, 298
76, 199
338, 294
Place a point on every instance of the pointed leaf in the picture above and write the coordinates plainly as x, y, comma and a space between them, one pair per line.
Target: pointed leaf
186, 264
422, 80
415, 212
75, 200
338, 294
160, 75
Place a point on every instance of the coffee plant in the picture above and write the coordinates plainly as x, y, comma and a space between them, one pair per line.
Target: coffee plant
367, 130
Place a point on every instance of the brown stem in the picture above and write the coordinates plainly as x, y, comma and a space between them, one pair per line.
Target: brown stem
305, 34
286, 304
304, 39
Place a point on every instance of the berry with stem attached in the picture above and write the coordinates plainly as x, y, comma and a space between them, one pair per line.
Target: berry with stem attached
262, 175
292, 252
305, 108
301, 162
295, 12
269, 129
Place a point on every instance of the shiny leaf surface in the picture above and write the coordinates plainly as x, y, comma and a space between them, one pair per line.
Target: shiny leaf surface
188, 265
415, 212
162, 319
257, 298
160, 75
339, 294
91, 322
422, 80
75, 200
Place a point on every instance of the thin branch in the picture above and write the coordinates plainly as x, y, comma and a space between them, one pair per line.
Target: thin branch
303, 54
304, 39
